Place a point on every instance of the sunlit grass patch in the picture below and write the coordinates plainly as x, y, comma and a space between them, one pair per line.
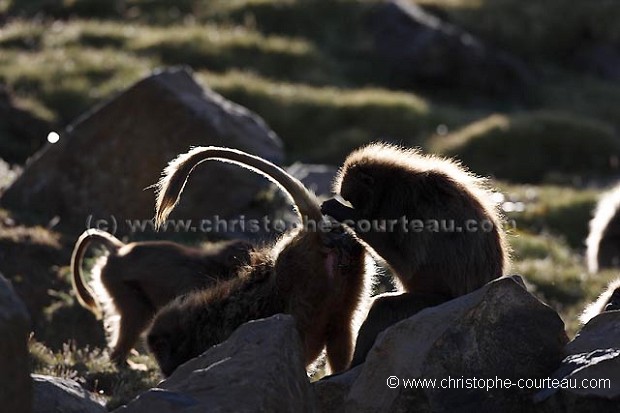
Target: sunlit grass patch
325, 123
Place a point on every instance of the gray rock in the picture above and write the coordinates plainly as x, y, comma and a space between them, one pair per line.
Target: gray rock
499, 331
15, 384
331, 391
602, 331
317, 178
586, 382
594, 360
53, 394
421, 49
105, 160
259, 368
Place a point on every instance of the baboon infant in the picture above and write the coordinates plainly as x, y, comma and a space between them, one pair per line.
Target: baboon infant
317, 277
609, 300
434, 223
137, 279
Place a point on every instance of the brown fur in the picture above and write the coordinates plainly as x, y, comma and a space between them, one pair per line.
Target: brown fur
609, 300
603, 242
384, 183
318, 277
137, 279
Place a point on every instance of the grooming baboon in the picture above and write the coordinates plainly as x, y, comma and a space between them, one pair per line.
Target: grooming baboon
603, 242
434, 224
609, 300
137, 279
318, 277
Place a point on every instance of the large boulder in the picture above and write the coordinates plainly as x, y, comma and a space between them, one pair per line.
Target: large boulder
588, 379
15, 384
105, 160
420, 48
466, 347
259, 368
54, 394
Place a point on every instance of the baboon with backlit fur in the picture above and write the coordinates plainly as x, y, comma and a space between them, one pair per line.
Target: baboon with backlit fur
316, 276
137, 279
609, 300
422, 210
603, 242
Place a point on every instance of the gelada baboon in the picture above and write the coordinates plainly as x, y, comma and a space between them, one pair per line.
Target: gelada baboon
609, 300
137, 279
434, 223
316, 276
603, 242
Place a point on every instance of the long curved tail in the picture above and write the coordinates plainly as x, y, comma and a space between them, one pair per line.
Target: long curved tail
84, 294
175, 176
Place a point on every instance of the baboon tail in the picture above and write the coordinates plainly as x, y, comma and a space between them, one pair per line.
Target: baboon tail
175, 176
84, 294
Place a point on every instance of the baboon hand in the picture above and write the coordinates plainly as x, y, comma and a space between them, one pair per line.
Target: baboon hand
339, 211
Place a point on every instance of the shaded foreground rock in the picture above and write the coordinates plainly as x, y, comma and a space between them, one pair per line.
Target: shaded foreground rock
421, 48
602, 331
498, 332
107, 157
332, 391
589, 378
15, 385
259, 368
53, 394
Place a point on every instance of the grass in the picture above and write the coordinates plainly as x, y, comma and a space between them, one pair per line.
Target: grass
92, 368
542, 30
551, 209
341, 119
536, 147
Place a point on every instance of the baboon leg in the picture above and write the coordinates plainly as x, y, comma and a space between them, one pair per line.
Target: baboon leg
135, 315
340, 347
388, 309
